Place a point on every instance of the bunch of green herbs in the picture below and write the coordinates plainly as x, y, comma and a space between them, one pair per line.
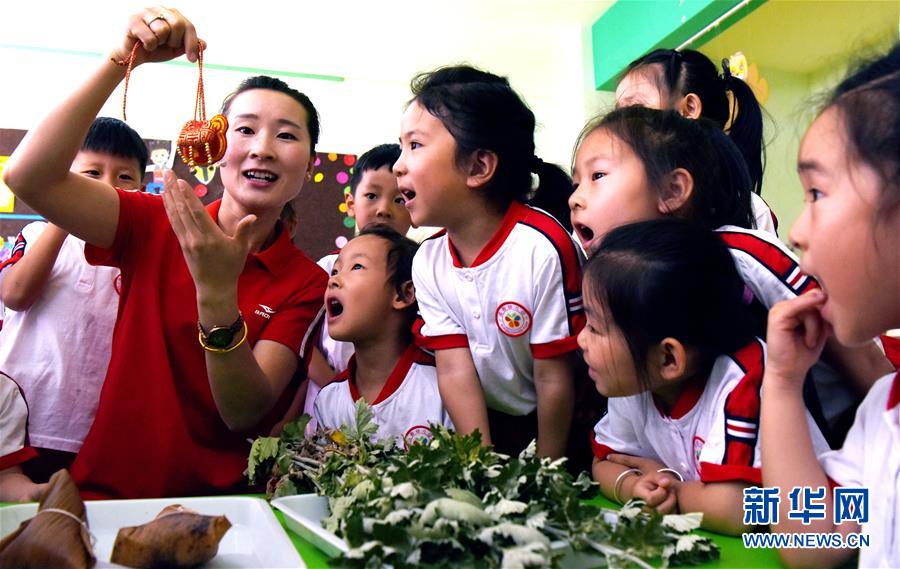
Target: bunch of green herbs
455, 502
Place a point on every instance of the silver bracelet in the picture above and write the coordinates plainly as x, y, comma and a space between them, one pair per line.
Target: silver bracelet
618, 485
672, 471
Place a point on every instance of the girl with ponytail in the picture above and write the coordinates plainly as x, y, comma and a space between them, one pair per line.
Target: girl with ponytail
689, 83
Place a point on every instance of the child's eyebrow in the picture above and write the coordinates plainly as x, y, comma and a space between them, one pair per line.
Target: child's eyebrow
414, 132
809, 166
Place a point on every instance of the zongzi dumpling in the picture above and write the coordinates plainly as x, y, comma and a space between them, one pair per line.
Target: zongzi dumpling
177, 537
57, 536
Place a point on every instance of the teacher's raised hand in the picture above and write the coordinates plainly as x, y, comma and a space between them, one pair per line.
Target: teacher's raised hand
164, 34
214, 258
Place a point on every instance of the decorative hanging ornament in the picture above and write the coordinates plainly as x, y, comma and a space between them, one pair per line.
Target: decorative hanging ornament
202, 142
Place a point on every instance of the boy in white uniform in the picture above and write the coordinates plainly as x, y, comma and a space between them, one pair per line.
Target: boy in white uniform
373, 198
371, 302
61, 310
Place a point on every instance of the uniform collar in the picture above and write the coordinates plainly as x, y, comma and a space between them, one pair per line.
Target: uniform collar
394, 381
516, 213
275, 257
894, 397
687, 399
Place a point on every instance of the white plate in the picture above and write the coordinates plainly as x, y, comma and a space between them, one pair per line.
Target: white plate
304, 513
255, 538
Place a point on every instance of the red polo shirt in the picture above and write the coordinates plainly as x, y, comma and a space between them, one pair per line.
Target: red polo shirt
157, 431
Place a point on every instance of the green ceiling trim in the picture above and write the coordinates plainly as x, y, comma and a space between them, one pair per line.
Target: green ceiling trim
177, 62
631, 28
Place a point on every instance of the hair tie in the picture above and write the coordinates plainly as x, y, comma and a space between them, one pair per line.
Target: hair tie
726, 70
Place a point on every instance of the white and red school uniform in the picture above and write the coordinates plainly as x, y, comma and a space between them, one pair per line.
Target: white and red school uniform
408, 403
870, 458
712, 433
58, 349
336, 353
158, 431
763, 217
772, 273
520, 300
14, 445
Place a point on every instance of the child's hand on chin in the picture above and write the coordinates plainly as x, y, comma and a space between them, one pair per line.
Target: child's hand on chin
656, 489
795, 337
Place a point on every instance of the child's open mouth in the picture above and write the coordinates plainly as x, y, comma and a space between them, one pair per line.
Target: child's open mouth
334, 308
585, 233
408, 195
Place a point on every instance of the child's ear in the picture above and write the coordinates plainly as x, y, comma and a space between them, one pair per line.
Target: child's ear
672, 359
407, 299
481, 168
691, 107
348, 199
677, 190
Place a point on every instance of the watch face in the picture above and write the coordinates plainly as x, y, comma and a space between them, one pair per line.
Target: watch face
220, 337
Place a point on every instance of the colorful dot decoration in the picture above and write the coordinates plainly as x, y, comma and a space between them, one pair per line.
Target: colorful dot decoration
346, 190
349, 222
318, 161
349, 159
342, 208
318, 177
340, 242
332, 156
342, 177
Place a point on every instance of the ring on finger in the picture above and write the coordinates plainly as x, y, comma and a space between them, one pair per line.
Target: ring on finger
158, 17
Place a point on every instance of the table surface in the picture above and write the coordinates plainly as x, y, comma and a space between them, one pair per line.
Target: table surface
733, 553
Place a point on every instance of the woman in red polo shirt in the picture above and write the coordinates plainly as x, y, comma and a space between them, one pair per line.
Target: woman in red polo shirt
217, 304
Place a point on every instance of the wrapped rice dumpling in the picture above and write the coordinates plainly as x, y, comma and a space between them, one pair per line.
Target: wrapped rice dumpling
177, 537
57, 536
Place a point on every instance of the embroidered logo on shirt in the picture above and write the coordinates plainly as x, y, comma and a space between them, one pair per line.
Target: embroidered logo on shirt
266, 312
418, 435
513, 319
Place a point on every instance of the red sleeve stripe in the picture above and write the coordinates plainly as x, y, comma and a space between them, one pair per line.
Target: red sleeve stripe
742, 408
24, 454
447, 342
554, 348
710, 472
600, 451
777, 261
17, 252
569, 260
569, 257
